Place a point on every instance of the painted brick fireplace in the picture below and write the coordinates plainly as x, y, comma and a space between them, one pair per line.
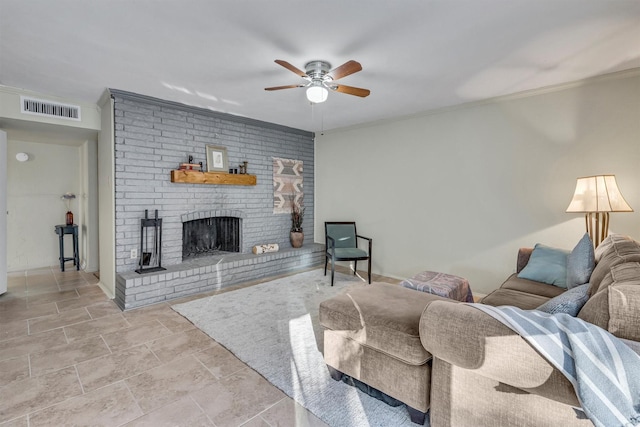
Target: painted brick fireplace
152, 137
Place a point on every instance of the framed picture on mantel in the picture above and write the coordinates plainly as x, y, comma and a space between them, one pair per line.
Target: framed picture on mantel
217, 159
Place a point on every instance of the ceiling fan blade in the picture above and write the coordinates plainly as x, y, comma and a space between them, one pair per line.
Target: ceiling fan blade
345, 69
350, 90
283, 87
290, 67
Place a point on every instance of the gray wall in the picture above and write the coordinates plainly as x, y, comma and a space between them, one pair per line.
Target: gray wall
3, 209
152, 137
459, 190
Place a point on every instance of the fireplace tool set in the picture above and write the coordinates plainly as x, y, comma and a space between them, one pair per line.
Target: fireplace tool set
150, 244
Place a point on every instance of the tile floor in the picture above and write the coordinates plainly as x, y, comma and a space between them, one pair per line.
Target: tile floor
69, 356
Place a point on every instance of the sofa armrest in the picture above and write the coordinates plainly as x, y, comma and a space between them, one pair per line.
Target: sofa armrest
468, 338
523, 258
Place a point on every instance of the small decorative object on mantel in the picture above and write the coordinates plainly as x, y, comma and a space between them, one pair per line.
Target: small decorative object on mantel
263, 249
243, 168
190, 165
67, 197
296, 236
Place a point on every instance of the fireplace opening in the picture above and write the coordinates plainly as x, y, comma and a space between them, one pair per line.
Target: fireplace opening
210, 236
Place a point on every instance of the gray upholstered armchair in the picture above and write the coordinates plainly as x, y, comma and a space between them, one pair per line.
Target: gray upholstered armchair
342, 245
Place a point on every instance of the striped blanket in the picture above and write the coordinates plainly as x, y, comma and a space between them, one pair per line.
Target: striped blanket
605, 373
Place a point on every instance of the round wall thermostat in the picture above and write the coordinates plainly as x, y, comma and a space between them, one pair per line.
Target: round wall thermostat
22, 157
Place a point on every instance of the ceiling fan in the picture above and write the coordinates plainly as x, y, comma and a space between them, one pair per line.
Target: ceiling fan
320, 78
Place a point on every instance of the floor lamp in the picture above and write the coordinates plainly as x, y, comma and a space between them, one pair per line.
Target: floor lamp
596, 196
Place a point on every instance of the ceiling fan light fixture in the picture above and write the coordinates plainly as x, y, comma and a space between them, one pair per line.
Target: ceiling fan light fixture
321, 78
317, 94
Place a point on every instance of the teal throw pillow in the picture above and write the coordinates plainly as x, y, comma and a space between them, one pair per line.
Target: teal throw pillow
580, 262
547, 265
569, 302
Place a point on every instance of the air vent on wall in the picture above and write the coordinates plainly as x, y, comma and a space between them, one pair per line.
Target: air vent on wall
41, 107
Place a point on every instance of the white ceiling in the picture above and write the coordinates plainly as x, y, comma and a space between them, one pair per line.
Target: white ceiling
417, 55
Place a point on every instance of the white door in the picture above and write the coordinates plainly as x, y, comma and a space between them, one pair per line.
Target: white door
3, 212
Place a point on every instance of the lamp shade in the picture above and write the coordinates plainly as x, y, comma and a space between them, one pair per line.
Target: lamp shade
317, 93
598, 193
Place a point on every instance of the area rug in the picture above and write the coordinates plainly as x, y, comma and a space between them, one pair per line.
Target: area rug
273, 327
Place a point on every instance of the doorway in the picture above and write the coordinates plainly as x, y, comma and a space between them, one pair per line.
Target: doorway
53, 164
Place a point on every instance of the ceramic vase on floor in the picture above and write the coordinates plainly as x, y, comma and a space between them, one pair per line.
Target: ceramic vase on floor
296, 238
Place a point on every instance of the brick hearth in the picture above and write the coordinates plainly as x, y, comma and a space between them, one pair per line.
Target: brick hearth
211, 273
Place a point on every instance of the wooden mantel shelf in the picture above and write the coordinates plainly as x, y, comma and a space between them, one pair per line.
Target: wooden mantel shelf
197, 177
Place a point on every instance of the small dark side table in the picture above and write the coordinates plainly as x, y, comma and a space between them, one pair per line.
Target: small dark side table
61, 230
